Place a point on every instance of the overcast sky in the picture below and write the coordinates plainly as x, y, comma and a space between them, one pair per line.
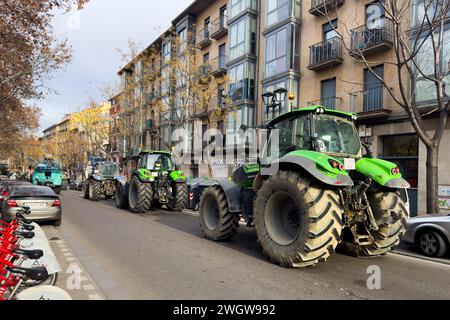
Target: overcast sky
95, 34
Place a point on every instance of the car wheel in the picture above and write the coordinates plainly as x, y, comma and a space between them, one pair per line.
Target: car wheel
432, 244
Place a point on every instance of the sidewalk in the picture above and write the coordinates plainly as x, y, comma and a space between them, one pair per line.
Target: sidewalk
73, 278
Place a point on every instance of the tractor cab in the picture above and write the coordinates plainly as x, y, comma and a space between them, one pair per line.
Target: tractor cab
156, 161
318, 129
107, 169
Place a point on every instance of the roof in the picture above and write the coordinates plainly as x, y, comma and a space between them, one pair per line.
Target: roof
194, 8
312, 109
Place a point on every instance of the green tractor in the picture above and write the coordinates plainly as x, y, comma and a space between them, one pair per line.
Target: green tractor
320, 193
156, 182
101, 177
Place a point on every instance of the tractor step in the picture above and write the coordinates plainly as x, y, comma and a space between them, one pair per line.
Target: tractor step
363, 240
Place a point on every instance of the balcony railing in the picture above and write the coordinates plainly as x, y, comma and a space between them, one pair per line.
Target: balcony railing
219, 28
219, 66
367, 40
376, 99
323, 7
325, 54
329, 103
203, 38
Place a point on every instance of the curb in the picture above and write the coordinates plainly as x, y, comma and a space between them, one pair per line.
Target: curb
420, 257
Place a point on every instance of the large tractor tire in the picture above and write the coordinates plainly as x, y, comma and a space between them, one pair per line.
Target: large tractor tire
85, 190
391, 214
140, 196
121, 196
298, 223
180, 198
94, 190
216, 220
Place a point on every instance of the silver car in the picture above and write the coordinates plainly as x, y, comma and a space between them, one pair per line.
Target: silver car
431, 234
45, 205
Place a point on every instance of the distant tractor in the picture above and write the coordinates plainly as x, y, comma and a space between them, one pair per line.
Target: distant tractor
101, 177
48, 173
156, 182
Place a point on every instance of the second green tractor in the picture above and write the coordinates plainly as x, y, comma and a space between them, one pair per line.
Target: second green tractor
155, 182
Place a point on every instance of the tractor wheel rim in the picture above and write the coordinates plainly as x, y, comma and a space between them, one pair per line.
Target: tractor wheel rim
282, 218
429, 243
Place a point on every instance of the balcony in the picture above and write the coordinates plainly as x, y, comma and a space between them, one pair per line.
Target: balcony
372, 103
219, 28
219, 66
367, 40
325, 54
203, 39
323, 7
329, 103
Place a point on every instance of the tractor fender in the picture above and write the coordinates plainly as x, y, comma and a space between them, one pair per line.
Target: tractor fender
120, 179
231, 190
333, 178
380, 171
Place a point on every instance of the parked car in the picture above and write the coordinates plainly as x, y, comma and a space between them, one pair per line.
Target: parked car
45, 205
75, 185
431, 234
5, 187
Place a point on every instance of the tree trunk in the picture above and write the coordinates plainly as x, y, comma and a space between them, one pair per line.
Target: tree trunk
432, 180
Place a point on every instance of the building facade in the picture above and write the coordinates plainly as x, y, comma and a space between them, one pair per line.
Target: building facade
312, 48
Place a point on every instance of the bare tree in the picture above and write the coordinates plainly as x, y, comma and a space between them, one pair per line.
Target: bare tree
419, 61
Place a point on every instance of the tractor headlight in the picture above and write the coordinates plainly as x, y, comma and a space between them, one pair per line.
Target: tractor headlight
320, 110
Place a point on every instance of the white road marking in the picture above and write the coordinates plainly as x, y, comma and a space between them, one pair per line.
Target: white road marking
88, 287
94, 297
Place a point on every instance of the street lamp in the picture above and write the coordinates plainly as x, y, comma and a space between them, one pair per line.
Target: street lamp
273, 100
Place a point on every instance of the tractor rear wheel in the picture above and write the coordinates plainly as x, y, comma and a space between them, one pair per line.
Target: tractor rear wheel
298, 223
216, 220
94, 190
391, 214
179, 201
140, 196
121, 196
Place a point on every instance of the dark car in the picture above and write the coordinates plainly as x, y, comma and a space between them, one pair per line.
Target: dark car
6, 186
75, 185
45, 205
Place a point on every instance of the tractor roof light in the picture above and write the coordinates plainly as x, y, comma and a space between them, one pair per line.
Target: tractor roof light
354, 117
320, 110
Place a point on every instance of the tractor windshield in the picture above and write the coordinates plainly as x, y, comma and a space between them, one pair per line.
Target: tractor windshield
109, 169
159, 162
336, 136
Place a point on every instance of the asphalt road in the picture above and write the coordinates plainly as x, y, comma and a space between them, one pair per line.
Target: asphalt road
162, 255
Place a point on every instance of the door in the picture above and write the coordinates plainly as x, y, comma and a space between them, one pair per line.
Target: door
373, 89
328, 93
222, 54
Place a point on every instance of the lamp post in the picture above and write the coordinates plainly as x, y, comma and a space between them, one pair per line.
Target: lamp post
273, 100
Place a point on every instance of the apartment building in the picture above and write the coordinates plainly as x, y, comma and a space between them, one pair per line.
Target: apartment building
311, 48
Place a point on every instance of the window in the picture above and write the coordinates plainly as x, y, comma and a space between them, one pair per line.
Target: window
239, 6
375, 15
329, 30
242, 81
222, 56
373, 89
237, 118
419, 7
182, 38
206, 58
425, 90
223, 17
277, 53
206, 25
243, 38
328, 93
275, 113
277, 11
166, 52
